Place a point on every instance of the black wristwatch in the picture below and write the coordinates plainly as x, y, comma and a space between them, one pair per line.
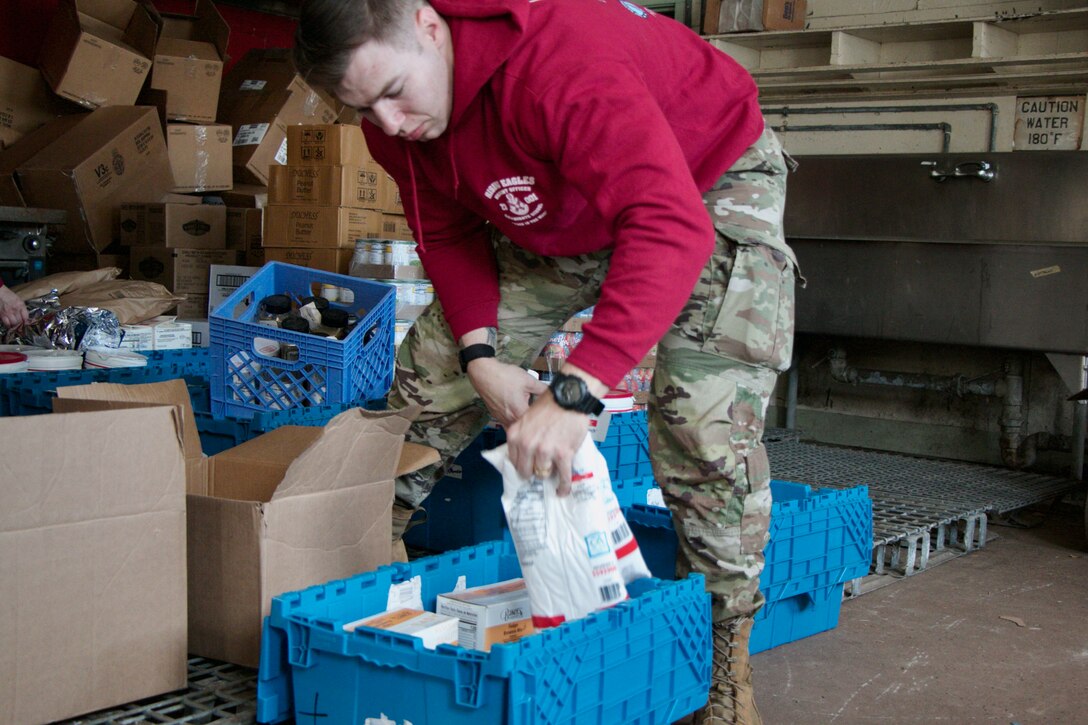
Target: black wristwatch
572, 393
474, 352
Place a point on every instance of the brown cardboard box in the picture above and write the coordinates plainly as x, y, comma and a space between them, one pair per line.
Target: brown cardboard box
194, 305
98, 52
184, 271
395, 226
26, 148
330, 260
261, 96
327, 145
270, 514
112, 155
187, 226
749, 15
189, 63
244, 227
388, 271
354, 186
255, 256
246, 196
26, 102
200, 157
92, 545
389, 194
318, 226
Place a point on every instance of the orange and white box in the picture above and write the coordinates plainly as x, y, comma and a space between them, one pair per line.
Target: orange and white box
433, 629
490, 614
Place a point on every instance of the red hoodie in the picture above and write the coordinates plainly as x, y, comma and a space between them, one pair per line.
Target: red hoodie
577, 125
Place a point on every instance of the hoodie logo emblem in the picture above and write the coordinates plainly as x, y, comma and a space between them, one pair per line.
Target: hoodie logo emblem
517, 200
641, 12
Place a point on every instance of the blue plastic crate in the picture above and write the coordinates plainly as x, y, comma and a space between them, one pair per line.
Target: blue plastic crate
219, 434
627, 446
465, 506
647, 660
632, 491
359, 367
796, 617
818, 541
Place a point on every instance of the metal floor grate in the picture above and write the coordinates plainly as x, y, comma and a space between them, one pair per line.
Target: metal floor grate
919, 504
218, 693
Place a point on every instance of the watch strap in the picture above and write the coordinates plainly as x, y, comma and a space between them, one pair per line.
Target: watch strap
588, 403
474, 352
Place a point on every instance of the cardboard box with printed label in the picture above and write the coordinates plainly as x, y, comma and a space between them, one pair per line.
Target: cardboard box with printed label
183, 271
490, 614
389, 194
200, 331
224, 279
318, 226
26, 102
108, 157
330, 260
430, 628
159, 333
189, 63
244, 228
354, 186
395, 226
93, 550
184, 226
98, 52
260, 97
268, 516
200, 157
327, 145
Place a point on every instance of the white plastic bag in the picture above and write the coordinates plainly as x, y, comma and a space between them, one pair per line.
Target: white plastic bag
576, 552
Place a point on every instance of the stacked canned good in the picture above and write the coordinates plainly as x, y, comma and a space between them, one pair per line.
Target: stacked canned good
412, 295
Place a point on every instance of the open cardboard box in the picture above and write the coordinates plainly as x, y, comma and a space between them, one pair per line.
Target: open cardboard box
295, 507
92, 561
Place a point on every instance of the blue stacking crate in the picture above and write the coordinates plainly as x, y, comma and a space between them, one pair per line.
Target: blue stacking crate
818, 541
359, 367
633, 491
219, 434
645, 661
627, 446
465, 507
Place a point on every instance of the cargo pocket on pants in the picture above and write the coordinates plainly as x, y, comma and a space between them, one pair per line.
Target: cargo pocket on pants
754, 323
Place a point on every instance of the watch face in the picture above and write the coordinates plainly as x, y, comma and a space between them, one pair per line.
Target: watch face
569, 390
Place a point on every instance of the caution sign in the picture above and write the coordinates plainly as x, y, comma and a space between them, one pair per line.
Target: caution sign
1049, 123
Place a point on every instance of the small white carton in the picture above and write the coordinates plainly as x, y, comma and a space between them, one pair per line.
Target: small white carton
433, 629
490, 614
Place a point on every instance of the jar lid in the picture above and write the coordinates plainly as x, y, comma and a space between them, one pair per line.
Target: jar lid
12, 358
334, 317
319, 302
276, 304
294, 323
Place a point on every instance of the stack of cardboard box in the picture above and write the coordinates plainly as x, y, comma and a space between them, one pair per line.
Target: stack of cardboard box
330, 195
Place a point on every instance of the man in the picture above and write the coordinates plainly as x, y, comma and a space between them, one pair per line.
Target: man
558, 154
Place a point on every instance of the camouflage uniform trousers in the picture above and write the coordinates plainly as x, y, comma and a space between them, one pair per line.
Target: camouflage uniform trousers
716, 370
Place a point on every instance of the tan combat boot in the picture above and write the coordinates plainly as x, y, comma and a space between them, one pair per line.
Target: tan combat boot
731, 699
401, 516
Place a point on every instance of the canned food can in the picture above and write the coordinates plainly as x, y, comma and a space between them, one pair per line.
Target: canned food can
400, 253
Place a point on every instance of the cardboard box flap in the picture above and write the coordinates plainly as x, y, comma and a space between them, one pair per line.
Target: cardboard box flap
413, 457
170, 392
184, 48
212, 26
81, 473
356, 447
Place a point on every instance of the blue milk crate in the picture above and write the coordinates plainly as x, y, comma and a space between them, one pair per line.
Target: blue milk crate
627, 446
359, 367
646, 660
818, 541
632, 491
465, 506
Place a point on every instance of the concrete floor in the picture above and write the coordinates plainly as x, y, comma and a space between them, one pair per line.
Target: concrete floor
935, 648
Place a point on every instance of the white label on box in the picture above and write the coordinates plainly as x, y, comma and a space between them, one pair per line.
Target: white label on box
654, 497
281, 155
137, 337
250, 134
406, 595
252, 85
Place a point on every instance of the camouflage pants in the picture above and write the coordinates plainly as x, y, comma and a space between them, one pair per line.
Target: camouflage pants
716, 370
